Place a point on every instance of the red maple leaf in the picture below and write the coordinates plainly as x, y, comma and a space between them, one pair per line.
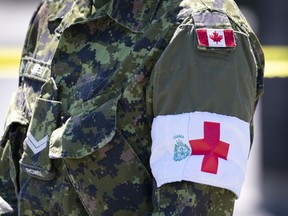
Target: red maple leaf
216, 37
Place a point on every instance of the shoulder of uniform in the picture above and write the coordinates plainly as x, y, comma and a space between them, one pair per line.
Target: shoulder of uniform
226, 7
57, 8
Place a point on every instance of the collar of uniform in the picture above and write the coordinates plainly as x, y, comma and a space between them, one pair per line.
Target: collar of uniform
132, 14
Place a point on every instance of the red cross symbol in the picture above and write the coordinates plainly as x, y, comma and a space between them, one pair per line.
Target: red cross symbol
211, 147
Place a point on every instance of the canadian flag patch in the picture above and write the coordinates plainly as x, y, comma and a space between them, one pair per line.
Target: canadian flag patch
216, 37
200, 147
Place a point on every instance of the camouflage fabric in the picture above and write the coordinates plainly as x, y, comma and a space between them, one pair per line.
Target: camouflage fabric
77, 137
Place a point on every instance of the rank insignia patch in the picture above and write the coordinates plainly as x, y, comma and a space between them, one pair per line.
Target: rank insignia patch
36, 146
216, 37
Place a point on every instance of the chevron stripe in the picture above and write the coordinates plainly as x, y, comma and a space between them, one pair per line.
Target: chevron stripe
36, 146
4, 206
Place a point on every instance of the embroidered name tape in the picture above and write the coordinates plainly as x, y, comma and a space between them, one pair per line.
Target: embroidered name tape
216, 37
200, 147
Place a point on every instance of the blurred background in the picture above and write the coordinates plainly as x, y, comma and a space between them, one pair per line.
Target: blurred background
265, 192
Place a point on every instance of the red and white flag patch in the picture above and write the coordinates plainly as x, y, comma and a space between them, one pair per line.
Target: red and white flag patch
216, 37
200, 147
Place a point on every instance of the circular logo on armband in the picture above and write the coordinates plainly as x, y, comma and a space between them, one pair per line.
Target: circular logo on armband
181, 150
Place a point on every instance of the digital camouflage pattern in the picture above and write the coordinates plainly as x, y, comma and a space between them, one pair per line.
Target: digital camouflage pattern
86, 86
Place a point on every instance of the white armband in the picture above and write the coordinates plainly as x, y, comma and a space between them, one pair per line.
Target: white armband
200, 147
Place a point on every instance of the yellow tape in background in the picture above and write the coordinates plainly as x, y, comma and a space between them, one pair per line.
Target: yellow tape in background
9, 62
276, 58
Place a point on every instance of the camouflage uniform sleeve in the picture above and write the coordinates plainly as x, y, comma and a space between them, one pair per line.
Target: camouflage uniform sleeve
7, 198
204, 97
11, 148
10, 153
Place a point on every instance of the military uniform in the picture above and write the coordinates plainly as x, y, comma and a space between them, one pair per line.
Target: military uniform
132, 108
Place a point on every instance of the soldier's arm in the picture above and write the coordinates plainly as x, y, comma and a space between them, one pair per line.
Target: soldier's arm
205, 89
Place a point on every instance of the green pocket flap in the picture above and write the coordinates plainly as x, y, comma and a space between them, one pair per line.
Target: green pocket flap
91, 125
